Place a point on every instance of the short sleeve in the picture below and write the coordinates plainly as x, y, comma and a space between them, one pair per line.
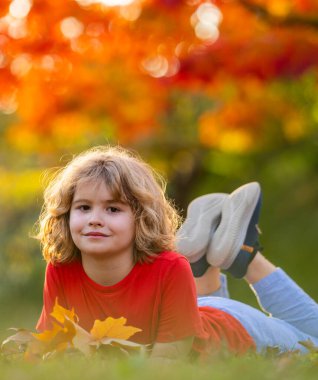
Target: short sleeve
179, 315
51, 291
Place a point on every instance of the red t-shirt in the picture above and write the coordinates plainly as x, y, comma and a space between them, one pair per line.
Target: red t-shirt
157, 297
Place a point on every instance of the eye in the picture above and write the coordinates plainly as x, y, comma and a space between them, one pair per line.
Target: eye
83, 207
113, 209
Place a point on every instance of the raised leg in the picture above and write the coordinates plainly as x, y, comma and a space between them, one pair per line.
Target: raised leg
212, 283
209, 282
259, 268
281, 297
293, 314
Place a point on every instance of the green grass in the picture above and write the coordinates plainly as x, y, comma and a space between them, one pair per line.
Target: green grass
17, 313
248, 367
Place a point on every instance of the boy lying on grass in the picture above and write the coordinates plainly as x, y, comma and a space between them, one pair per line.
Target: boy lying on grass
109, 237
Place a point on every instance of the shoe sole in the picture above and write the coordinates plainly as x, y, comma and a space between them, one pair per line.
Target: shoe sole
230, 235
203, 216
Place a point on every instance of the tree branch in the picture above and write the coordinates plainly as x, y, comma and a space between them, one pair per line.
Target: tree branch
287, 21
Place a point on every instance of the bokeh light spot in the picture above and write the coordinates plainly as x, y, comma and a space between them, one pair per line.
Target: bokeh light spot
21, 65
209, 14
280, 8
156, 66
207, 32
112, 3
48, 62
71, 27
109, 3
131, 12
20, 8
205, 21
16, 27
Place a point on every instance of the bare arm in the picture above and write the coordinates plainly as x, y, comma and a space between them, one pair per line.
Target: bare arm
169, 352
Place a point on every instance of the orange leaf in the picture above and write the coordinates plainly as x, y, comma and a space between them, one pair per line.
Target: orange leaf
47, 335
60, 313
59, 338
113, 328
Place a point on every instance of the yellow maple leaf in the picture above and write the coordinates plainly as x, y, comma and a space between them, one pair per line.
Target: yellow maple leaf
47, 335
113, 328
60, 313
58, 339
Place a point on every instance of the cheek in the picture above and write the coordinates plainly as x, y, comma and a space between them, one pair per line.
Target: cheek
126, 226
75, 222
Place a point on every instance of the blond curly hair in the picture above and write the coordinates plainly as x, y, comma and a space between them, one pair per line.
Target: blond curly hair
129, 179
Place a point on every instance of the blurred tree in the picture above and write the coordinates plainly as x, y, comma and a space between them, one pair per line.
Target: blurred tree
78, 72
72, 70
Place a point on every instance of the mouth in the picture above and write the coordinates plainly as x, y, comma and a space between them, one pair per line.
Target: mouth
96, 234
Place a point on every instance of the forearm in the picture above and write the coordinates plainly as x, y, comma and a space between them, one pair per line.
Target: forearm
167, 353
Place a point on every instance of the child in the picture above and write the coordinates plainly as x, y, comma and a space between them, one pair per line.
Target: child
108, 235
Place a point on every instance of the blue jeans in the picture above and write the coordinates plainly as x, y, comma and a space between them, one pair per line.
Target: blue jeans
292, 316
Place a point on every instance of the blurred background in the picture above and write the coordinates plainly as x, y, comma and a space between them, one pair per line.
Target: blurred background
213, 94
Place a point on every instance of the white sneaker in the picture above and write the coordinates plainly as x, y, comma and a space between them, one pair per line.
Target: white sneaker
236, 214
203, 216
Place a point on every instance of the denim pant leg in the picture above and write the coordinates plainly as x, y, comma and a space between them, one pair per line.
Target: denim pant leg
269, 331
282, 298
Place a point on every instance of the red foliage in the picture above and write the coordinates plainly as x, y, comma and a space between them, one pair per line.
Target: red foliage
120, 63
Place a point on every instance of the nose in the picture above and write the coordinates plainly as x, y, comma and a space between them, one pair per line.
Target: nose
96, 219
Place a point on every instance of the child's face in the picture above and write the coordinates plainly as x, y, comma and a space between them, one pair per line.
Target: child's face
100, 226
